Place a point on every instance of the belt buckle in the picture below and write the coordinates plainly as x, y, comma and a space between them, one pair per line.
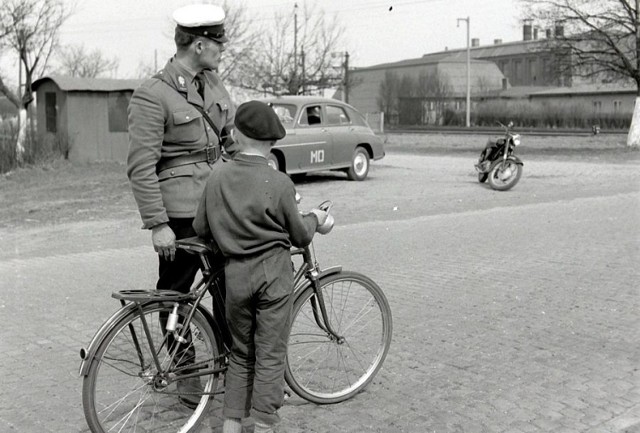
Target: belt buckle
212, 154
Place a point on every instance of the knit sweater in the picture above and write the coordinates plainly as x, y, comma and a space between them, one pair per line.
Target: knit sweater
248, 208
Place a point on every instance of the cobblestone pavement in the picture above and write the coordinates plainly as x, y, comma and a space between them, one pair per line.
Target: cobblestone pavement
513, 312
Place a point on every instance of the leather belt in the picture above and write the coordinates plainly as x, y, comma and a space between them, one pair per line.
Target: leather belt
208, 154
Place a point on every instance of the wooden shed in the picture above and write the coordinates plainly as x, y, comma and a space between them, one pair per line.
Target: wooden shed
90, 114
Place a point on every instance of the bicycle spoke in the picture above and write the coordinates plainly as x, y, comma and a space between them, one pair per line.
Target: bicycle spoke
120, 399
357, 312
360, 315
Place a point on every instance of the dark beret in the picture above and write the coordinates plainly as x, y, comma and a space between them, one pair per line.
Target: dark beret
257, 120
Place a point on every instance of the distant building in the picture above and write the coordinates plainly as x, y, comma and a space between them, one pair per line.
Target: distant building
88, 114
526, 69
417, 91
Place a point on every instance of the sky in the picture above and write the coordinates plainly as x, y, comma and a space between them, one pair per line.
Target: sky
139, 32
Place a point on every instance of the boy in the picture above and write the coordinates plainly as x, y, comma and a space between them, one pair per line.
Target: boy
250, 211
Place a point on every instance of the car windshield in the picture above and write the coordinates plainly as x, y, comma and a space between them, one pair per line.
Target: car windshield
286, 113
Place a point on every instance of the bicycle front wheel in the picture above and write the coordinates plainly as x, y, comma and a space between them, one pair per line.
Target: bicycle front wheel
323, 369
124, 391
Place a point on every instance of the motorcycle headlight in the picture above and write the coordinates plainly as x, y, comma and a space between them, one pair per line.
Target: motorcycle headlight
516, 139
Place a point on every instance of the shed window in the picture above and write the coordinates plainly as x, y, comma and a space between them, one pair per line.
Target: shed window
51, 111
118, 103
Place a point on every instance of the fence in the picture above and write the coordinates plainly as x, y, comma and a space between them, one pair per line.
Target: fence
375, 121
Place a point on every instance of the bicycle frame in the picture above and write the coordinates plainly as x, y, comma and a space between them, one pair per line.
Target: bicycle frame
308, 274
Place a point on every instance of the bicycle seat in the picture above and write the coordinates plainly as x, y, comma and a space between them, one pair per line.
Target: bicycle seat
196, 245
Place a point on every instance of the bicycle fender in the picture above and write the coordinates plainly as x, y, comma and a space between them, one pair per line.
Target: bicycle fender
217, 328
88, 354
323, 273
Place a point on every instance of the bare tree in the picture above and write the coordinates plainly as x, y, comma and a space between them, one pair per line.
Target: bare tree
238, 54
292, 56
78, 62
30, 28
436, 88
388, 96
602, 37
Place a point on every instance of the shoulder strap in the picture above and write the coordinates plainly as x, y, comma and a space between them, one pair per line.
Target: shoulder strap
206, 117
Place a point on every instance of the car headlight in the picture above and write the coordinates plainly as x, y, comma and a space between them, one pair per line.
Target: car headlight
516, 139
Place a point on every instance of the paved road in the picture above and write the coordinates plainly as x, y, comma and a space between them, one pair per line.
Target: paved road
513, 312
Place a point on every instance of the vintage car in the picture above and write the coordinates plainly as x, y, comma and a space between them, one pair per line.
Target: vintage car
323, 134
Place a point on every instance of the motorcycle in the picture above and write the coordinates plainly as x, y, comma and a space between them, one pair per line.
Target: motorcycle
498, 164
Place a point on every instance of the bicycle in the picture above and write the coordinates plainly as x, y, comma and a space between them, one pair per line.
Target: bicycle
340, 335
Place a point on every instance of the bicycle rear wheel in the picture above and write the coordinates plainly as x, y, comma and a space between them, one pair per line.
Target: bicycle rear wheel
123, 390
320, 368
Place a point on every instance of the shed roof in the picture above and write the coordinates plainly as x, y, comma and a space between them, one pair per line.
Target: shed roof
77, 84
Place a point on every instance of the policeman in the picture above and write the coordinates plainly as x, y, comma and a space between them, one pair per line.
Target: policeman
177, 126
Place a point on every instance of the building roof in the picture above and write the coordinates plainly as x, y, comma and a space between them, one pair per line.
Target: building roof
77, 84
438, 58
585, 89
495, 50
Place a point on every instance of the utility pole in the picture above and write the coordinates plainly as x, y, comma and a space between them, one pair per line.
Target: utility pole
295, 43
304, 90
346, 78
467, 19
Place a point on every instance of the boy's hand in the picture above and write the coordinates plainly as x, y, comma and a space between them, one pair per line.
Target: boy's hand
164, 241
320, 214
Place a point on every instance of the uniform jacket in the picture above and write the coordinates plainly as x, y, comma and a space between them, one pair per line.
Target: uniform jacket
249, 208
164, 124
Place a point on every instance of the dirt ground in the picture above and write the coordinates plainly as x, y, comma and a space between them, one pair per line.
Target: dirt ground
62, 192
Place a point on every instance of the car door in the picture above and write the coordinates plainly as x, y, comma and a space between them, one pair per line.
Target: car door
344, 140
311, 149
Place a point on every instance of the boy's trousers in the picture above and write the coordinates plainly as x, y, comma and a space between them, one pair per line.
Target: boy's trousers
258, 310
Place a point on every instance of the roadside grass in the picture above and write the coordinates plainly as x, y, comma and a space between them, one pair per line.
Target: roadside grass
59, 191
605, 147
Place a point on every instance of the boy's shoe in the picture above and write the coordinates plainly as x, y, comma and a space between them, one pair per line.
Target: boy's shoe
191, 388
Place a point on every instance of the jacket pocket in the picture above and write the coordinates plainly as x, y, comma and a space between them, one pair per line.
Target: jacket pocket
182, 117
179, 191
223, 104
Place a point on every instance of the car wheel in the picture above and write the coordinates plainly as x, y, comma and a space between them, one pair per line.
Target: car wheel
272, 160
359, 165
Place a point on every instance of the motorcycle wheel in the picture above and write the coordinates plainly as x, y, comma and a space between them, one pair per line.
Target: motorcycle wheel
504, 175
482, 177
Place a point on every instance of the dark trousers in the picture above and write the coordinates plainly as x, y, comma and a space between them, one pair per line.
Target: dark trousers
178, 275
258, 310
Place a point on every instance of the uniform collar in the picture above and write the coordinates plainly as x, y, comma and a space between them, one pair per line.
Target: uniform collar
182, 78
250, 158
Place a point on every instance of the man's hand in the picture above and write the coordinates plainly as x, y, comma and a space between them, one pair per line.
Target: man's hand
164, 241
320, 214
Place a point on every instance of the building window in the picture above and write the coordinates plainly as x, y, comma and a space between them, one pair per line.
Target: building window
597, 107
118, 103
532, 70
51, 112
518, 71
617, 106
